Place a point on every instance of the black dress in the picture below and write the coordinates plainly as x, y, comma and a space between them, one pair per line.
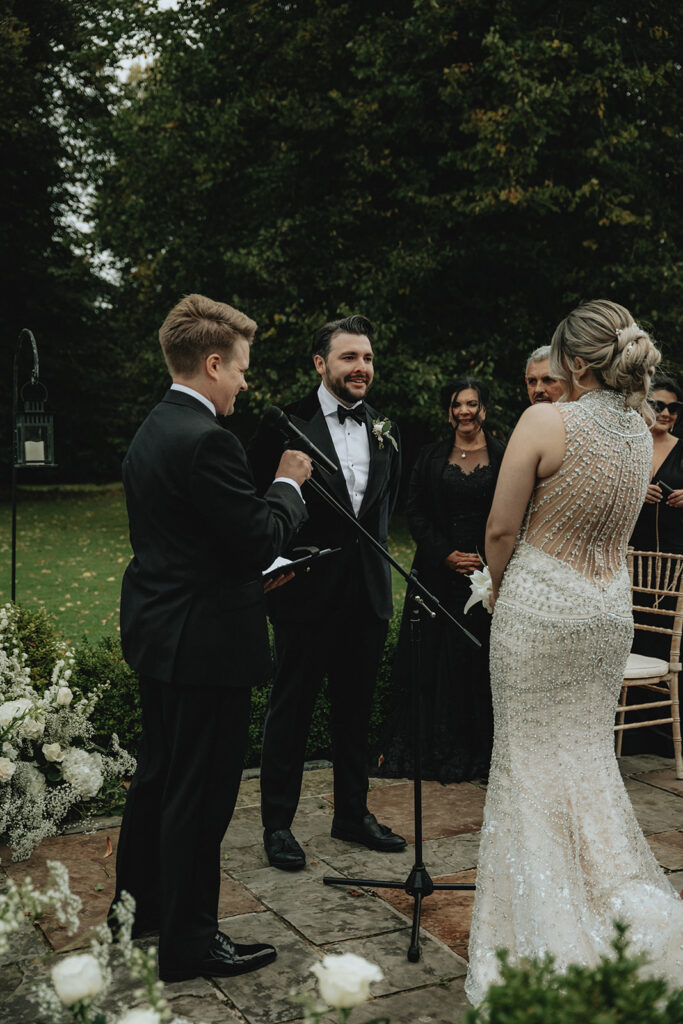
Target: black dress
447, 510
659, 528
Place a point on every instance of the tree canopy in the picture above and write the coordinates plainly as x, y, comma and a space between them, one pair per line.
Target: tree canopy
463, 172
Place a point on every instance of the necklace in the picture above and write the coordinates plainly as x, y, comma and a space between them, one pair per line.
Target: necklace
467, 451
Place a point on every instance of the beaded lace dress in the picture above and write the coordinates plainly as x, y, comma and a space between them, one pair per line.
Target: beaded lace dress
562, 855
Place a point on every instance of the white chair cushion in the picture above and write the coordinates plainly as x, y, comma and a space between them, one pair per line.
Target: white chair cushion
640, 667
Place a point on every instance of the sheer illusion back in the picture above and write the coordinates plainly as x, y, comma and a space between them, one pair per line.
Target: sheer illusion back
562, 855
584, 513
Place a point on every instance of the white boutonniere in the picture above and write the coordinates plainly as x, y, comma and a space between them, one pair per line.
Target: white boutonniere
482, 589
380, 429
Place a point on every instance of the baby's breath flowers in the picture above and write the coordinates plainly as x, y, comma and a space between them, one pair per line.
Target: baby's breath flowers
47, 764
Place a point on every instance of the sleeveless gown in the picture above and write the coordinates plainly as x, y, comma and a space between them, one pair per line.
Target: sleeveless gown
562, 855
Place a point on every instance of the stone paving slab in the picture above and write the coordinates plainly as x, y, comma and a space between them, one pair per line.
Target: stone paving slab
263, 996
665, 779
25, 943
437, 963
92, 876
668, 849
655, 809
313, 817
441, 856
322, 913
635, 764
447, 914
445, 1004
447, 810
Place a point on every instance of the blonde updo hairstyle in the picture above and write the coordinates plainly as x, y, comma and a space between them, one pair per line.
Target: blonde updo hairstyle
618, 351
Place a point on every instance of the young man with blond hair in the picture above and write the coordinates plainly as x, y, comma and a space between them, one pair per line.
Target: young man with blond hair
193, 625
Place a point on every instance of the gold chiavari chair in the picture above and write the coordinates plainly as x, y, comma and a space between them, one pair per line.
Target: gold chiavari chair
657, 586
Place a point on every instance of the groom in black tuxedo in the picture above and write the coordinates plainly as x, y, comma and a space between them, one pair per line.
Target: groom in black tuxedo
193, 625
332, 621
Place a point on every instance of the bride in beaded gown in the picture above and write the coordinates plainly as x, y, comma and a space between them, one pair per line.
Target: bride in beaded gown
562, 856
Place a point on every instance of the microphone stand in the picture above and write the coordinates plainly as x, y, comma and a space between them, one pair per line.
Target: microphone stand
418, 884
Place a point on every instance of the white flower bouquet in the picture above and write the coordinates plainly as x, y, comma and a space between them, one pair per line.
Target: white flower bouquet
81, 982
481, 587
47, 761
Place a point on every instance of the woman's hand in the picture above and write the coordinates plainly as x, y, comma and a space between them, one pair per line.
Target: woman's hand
654, 494
675, 499
464, 562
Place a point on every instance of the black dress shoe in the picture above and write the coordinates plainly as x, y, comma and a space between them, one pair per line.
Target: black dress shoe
368, 832
282, 850
224, 959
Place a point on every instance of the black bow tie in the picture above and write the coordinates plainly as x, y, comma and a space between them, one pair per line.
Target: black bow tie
357, 413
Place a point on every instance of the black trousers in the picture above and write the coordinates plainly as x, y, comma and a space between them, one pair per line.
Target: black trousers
178, 807
348, 649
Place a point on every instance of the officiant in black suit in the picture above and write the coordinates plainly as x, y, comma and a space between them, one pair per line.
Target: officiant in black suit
193, 625
332, 621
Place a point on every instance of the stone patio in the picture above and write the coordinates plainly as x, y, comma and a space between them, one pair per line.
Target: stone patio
306, 919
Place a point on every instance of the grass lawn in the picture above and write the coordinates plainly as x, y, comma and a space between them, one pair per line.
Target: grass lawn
72, 549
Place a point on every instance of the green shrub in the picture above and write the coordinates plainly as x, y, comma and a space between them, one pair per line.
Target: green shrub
118, 709
535, 992
40, 644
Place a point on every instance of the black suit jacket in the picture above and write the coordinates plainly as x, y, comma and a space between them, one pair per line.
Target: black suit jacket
314, 595
192, 602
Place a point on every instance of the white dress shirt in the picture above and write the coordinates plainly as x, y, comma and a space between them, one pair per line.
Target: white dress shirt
209, 405
351, 443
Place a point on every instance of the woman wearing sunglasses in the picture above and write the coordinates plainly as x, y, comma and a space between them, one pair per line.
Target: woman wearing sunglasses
659, 528
660, 524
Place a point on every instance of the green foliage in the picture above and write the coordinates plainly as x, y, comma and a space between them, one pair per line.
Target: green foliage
118, 709
461, 173
614, 992
40, 644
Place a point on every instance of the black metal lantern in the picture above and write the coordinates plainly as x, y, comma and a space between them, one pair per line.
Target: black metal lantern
32, 430
34, 436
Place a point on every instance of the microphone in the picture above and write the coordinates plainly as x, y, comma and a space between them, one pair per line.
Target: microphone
278, 420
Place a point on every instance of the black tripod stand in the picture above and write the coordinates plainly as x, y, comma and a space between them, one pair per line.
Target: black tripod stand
418, 884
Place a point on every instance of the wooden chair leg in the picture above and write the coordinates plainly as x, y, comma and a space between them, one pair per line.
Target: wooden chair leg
676, 726
619, 736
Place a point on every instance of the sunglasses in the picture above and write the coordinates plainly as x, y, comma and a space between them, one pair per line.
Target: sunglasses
673, 408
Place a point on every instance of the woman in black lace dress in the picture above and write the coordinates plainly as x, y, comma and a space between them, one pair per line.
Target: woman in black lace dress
451, 490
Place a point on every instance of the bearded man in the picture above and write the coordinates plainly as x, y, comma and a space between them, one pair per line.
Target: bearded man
540, 385
332, 621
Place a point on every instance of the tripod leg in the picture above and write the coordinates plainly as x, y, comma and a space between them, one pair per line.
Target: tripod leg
414, 948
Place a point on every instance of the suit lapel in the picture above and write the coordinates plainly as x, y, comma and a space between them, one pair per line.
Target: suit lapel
379, 464
316, 431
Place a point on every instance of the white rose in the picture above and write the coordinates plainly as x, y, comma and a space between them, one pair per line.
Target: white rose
82, 771
64, 696
7, 769
344, 980
77, 978
140, 1016
13, 709
32, 728
53, 752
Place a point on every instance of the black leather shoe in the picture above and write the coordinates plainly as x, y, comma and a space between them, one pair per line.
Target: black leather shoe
225, 959
282, 850
368, 832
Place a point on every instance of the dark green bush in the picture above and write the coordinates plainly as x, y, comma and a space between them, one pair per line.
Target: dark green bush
118, 709
41, 645
614, 992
